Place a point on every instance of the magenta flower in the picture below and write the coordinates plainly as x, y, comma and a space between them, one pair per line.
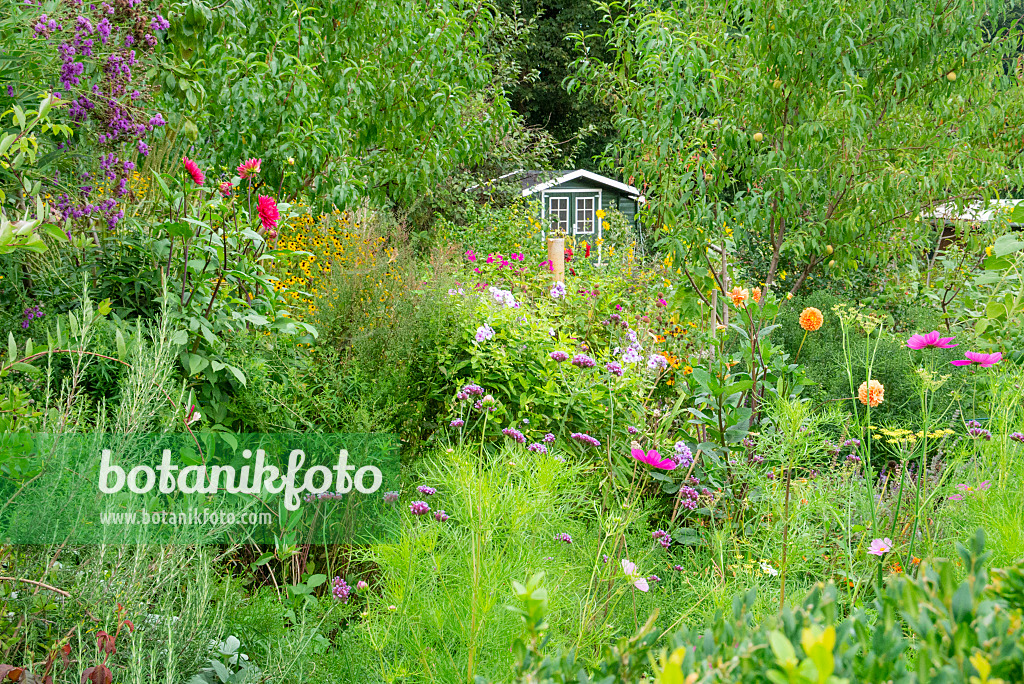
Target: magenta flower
441, 516
880, 547
193, 170
930, 340
426, 491
653, 458
585, 439
982, 359
563, 537
419, 507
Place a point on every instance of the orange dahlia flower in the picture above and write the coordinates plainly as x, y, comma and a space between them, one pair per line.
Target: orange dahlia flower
811, 319
739, 296
755, 295
871, 394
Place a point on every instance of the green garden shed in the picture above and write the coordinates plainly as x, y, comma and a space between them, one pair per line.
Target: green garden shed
570, 199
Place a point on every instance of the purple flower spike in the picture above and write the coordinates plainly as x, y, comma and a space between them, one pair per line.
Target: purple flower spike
563, 537
930, 340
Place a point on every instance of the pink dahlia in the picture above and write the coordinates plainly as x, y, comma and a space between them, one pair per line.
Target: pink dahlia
249, 167
653, 458
225, 188
931, 339
982, 359
268, 212
193, 170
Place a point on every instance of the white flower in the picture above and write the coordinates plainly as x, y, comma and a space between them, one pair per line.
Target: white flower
195, 417
768, 569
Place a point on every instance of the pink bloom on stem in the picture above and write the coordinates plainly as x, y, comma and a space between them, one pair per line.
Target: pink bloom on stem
268, 212
193, 170
653, 458
225, 188
249, 167
982, 359
880, 547
931, 339
956, 497
470, 255
629, 568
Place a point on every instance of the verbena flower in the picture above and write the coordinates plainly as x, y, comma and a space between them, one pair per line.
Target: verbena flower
585, 439
440, 516
930, 340
426, 491
613, 368
559, 356
653, 578
978, 432
249, 167
653, 458
548, 438
341, 590
811, 319
267, 209
662, 537
538, 447
390, 497
632, 430
514, 434
880, 547
871, 394
678, 568
980, 358
563, 537
193, 170
419, 507
1017, 436
688, 497
583, 361
457, 423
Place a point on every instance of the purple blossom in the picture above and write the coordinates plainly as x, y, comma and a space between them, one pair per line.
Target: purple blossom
663, 538
559, 356
688, 497
159, 23
457, 423
678, 568
484, 333
977, 432
613, 368
419, 507
514, 434
683, 455
1017, 437
632, 430
558, 290
583, 361
440, 516
538, 447
548, 438
653, 578
563, 537
341, 590
426, 491
390, 497
657, 362
585, 439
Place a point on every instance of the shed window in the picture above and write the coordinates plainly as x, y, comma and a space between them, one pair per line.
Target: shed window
558, 210
584, 214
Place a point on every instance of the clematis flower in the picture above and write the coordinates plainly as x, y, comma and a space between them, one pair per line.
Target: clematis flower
930, 340
653, 458
982, 359
638, 580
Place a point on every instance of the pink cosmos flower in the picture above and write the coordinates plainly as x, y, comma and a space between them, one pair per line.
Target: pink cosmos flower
931, 339
193, 170
880, 547
249, 167
630, 569
982, 359
268, 212
653, 458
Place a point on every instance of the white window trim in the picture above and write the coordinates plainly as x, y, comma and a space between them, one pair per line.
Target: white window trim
548, 214
594, 206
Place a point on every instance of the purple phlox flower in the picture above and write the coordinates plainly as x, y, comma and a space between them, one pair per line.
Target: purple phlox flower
426, 491
657, 362
504, 297
341, 590
880, 547
585, 439
419, 507
630, 356
559, 356
558, 290
980, 358
930, 340
484, 333
548, 438
440, 516
390, 497
583, 361
563, 537
614, 368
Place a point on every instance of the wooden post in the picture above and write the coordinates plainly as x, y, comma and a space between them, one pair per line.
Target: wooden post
556, 254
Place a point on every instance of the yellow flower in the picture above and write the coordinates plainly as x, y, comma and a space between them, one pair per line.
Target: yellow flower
599, 213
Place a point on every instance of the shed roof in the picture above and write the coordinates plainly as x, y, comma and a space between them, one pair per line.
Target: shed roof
533, 182
980, 211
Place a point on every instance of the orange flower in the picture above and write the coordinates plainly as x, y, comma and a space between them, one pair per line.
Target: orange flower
811, 319
755, 295
871, 394
739, 296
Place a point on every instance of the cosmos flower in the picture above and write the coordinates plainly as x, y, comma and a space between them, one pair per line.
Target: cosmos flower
880, 547
653, 458
640, 582
930, 340
980, 358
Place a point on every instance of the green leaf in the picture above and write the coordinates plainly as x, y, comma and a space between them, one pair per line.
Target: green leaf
122, 350
54, 231
781, 647
196, 363
25, 368
238, 374
12, 348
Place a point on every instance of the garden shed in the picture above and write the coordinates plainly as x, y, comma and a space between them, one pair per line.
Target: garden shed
571, 199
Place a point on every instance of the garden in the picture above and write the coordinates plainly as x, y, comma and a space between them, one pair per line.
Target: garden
757, 421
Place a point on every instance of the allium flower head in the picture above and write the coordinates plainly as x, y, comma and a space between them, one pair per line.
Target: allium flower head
930, 340
193, 170
419, 507
267, 208
871, 394
980, 358
811, 319
880, 547
249, 167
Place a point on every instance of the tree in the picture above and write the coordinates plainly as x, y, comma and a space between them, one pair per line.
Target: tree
822, 127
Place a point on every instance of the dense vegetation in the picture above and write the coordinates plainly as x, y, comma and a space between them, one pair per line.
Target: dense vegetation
771, 432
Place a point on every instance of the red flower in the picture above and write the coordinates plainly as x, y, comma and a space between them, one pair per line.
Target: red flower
268, 212
568, 254
249, 167
193, 170
586, 246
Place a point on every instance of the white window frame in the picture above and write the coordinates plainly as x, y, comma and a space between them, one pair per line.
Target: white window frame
586, 226
561, 212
